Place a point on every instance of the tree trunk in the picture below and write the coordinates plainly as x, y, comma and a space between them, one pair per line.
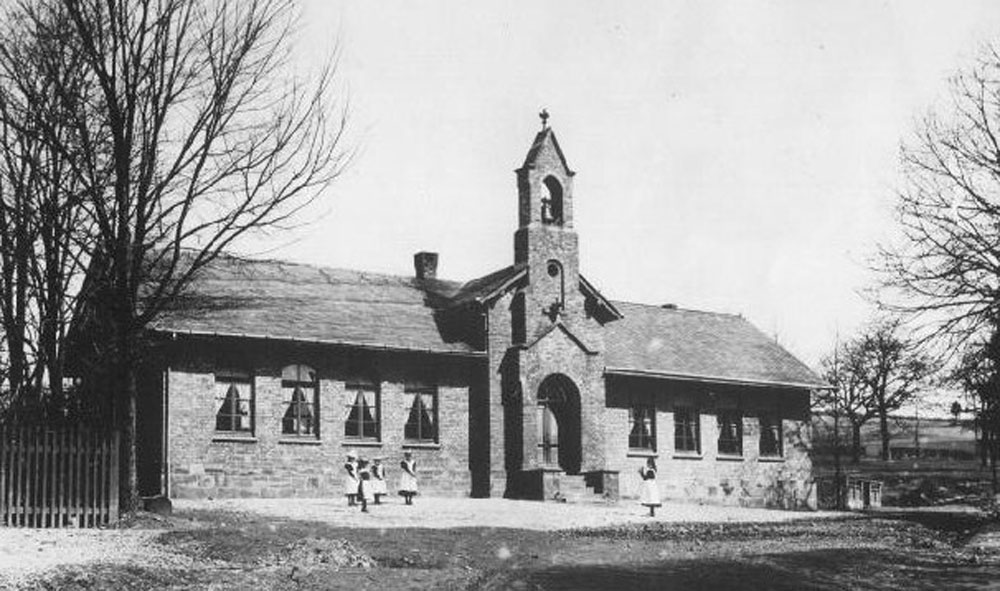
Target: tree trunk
855, 442
125, 383
837, 469
883, 431
993, 463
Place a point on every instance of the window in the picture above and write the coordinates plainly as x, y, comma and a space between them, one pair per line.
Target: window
421, 424
234, 401
362, 412
687, 432
730, 432
300, 390
770, 435
642, 428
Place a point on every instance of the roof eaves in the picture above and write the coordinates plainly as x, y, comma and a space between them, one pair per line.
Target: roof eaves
689, 377
600, 297
290, 339
503, 287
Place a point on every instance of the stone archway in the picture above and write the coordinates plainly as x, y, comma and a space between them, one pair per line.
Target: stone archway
559, 438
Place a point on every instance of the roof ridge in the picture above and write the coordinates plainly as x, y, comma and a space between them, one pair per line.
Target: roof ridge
324, 268
678, 309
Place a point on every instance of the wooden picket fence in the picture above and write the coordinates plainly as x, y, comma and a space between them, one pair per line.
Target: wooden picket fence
65, 477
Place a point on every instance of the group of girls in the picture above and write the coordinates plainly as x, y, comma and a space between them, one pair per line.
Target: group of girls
365, 482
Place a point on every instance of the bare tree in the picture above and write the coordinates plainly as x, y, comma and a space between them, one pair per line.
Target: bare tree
198, 132
849, 399
45, 228
979, 375
945, 268
874, 374
894, 372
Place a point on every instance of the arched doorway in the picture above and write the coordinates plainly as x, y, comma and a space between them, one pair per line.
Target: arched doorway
559, 423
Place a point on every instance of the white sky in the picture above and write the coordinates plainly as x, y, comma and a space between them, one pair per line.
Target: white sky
730, 156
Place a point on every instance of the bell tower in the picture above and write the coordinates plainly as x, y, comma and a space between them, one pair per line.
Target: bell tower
545, 241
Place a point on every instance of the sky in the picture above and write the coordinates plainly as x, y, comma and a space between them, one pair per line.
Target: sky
736, 157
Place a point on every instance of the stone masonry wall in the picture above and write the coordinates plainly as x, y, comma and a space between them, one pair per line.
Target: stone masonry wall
206, 463
748, 480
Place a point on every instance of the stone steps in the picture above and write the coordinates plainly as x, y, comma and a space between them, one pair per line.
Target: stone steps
574, 489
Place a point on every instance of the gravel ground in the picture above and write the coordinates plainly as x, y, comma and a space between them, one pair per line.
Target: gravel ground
463, 512
25, 553
28, 552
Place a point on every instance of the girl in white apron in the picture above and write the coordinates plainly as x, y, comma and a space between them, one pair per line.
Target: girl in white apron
408, 478
650, 495
379, 488
351, 479
365, 488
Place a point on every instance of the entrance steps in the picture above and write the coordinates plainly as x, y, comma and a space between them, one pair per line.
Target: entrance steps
575, 489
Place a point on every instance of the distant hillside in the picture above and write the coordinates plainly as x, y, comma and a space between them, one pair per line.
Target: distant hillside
908, 435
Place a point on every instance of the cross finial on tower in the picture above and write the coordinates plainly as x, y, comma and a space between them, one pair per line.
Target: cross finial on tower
544, 115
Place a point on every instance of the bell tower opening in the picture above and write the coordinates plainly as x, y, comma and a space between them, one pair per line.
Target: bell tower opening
552, 202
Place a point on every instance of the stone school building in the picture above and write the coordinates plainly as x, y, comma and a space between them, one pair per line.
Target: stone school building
526, 382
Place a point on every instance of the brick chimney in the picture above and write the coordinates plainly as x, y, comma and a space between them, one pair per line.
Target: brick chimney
426, 265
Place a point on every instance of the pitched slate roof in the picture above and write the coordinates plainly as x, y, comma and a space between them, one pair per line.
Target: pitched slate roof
693, 345
281, 300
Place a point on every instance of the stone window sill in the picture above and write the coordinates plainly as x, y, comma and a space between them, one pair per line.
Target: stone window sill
299, 441
226, 438
687, 456
729, 458
771, 459
642, 453
421, 445
360, 443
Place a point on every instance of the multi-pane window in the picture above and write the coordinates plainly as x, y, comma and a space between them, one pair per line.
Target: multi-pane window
770, 435
300, 390
362, 421
687, 432
421, 423
642, 427
234, 402
730, 432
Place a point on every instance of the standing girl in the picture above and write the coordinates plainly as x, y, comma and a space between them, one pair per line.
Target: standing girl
379, 489
365, 486
650, 496
351, 479
408, 479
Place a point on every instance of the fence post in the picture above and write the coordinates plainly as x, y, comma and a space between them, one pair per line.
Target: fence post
15, 483
115, 501
4, 446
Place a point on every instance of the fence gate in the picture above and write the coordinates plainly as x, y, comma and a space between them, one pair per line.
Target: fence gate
66, 477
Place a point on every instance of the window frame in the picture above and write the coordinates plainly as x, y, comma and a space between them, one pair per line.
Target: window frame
233, 378
288, 399
358, 389
729, 417
771, 419
693, 417
418, 392
648, 412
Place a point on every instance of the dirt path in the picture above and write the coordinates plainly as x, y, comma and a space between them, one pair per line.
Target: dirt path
463, 512
477, 545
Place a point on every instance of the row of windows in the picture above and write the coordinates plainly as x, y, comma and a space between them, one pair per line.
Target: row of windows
687, 431
234, 397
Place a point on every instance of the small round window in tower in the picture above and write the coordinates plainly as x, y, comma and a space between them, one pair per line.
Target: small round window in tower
553, 269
